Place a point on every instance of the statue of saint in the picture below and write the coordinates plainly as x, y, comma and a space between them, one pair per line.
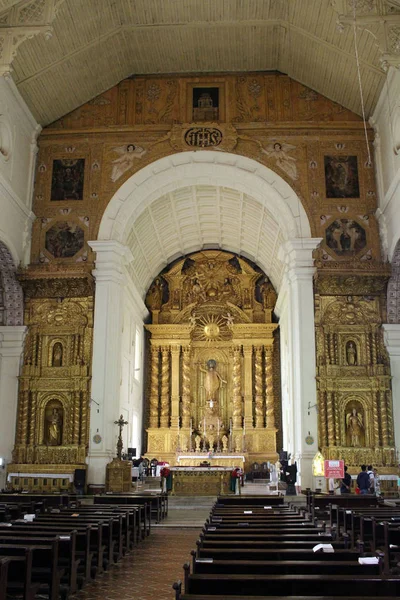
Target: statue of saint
54, 428
57, 356
351, 353
212, 381
155, 295
355, 427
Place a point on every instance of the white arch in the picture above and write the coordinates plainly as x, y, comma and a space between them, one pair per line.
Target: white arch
207, 167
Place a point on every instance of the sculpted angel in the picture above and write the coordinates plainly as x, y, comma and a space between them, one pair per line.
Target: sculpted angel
280, 153
126, 159
355, 427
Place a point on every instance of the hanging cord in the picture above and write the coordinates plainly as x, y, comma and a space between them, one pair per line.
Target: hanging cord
359, 81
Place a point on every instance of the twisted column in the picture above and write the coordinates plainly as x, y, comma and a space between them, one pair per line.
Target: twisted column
269, 384
322, 419
32, 420
155, 366
258, 386
381, 401
388, 397
165, 378
330, 418
373, 347
186, 387
77, 418
84, 430
237, 387
375, 424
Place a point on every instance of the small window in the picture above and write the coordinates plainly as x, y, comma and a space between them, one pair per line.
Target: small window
54, 482
36, 482
16, 480
26, 481
44, 481
65, 482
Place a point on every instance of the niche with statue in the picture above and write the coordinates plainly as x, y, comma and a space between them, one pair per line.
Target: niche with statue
53, 423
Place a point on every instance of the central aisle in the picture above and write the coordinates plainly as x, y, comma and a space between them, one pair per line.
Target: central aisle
149, 572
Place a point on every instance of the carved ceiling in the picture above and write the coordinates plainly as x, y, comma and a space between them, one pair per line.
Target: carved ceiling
94, 44
201, 217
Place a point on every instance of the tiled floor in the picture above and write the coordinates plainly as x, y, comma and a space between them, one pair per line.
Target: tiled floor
149, 572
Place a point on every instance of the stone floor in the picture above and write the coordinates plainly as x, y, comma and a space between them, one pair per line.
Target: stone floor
149, 572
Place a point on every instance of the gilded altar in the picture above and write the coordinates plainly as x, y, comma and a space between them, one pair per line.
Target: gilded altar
213, 359
200, 481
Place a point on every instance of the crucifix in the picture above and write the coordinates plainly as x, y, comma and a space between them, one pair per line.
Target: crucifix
120, 424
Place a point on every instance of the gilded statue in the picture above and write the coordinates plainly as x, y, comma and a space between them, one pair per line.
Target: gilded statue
57, 355
54, 430
355, 427
155, 295
351, 354
212, 381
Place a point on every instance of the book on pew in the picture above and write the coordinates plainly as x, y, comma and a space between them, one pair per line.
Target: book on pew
5, 524
268, 507
368, 560
323, 548
204, 560
247, 512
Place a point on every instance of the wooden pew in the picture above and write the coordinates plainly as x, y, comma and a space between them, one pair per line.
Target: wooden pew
143, 502
35, 576
67, 557
4, 562
88, 544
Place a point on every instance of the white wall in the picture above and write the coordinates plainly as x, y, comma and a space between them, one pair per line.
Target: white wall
386, 122
18, 133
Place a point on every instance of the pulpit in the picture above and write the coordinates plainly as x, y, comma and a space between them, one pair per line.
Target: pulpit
119, 476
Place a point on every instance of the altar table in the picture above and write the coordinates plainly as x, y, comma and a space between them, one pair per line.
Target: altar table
200, 481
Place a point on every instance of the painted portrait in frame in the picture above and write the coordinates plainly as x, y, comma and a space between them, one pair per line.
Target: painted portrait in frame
341, 177
67, 179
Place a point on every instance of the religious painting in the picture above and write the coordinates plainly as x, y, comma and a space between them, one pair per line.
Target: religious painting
67, 179
345, 237
64, 239
205, 104
341, 177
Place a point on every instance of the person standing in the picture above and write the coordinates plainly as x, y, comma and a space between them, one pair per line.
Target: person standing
370, 472
345, 483
363, 480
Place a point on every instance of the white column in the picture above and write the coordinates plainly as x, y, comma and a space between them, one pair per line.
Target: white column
11, 346
391, 334
110, 278
296, 307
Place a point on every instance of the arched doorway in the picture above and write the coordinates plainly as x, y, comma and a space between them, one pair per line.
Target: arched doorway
188, 202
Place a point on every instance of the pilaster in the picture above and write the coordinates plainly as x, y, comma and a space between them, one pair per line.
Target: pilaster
391, 335
301, 393
110, 278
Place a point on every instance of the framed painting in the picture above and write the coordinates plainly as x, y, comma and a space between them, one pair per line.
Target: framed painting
67, 179
341, 177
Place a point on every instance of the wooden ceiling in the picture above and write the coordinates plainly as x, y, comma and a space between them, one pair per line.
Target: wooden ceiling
97, 43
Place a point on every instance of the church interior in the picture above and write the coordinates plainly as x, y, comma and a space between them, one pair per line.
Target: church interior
199, 262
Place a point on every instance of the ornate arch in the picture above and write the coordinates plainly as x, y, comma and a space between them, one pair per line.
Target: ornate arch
11, 302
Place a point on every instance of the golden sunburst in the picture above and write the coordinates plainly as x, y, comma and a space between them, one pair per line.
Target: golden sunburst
210, 328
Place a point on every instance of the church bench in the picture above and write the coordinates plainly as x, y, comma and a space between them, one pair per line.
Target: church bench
249, 500
319, 505
19, 574
262, 529
42, 572
113, 520
101, 535
129, 521
387, 539
144, 501
179, 596
4, 562
317, 538
86, 543
265, 544
274, 553
67, 557
291, 585
301, 567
